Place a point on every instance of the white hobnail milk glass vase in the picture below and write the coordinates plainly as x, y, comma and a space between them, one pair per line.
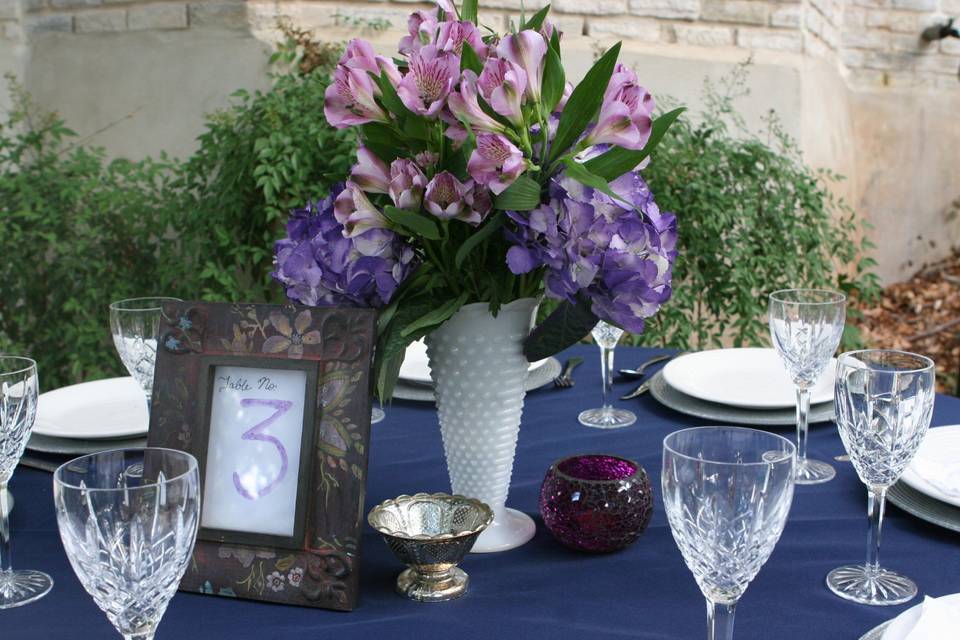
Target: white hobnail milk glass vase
479, 374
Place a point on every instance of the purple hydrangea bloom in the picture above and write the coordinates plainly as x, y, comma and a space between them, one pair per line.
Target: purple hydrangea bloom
318, 266
620, 258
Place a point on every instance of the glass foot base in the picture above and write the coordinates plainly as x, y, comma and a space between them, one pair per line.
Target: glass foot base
22, 587
814, 472
607, 418
377, 415
880, 587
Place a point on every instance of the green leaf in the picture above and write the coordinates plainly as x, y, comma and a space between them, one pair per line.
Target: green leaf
485, 231
470, 60
554, 80
522, 195
618, 161
566, 326
468, 12
555, 40
584, 103
536, 20
389, 96
583, 175
413, 222
436, 316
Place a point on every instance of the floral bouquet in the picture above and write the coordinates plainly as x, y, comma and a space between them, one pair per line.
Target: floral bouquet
484, 176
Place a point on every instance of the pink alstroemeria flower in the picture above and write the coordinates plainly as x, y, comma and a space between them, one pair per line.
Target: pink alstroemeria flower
625, 115
465, 106
432, 75
502, 84
349, 99
370, 173
445, 198
528, 51
496, 162
452, 34
355, 212
407, 183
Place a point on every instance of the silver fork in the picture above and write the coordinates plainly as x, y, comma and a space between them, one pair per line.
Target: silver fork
639, 371
565, 379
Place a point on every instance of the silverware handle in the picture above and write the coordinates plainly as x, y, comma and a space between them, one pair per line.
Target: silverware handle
572, 364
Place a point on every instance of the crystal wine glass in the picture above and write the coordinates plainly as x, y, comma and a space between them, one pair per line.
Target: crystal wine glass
806, 326
884, 404
128, 520
727, 492
606, 417
18, 409
135, 325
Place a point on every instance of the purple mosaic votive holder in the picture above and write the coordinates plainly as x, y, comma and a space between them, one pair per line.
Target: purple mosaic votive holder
596, 503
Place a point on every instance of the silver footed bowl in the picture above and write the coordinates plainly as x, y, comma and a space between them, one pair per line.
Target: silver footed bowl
431, 533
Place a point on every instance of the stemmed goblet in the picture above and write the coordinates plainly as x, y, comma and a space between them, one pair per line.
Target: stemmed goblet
135, 325
128, 521
18, 409
806, 326
606, 417
727, 492
884, 405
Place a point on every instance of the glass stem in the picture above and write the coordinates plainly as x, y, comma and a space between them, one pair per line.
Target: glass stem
720, 620
606, 371
149, 406
6, 559
876, 501
139, 636
803, 411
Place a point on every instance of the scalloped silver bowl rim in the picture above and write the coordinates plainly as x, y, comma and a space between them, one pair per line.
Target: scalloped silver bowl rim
483, 507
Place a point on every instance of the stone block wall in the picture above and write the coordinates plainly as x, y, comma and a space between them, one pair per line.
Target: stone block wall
876, 42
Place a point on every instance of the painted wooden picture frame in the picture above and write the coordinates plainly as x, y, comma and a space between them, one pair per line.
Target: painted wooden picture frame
274, 403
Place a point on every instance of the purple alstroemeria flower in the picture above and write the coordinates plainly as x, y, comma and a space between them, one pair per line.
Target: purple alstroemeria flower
528, 51
431, 77
453, 33
426, 159
318, 266
407, 184
619, 253
370, 173
421, 30
502, 84
359, 54
356, 213
626, 113
465, 106
349, 99
445, 198
496, 162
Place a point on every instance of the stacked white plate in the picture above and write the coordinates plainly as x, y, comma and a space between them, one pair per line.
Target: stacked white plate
930, 486
907, 625
414, 381
90, 417
743, 386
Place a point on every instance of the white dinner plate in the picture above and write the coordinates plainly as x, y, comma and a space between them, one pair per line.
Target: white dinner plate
416, 368
753, 378
941, 450
903, 624
111, 408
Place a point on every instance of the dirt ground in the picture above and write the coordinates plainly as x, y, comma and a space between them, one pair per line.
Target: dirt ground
922, 315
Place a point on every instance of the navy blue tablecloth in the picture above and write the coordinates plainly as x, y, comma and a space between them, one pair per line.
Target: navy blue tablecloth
541, 590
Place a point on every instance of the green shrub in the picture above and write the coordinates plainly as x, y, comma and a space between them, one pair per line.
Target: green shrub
752, 218
76, 233
268, 153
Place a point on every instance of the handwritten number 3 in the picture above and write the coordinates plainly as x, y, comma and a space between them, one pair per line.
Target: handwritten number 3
256, 433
